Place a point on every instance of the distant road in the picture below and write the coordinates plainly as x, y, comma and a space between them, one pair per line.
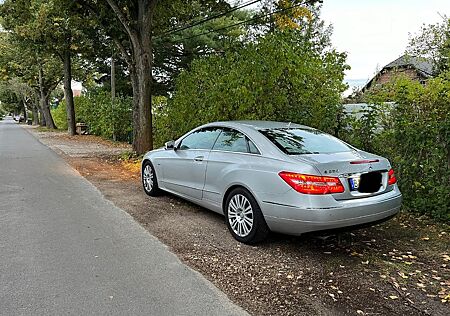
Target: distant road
64, 249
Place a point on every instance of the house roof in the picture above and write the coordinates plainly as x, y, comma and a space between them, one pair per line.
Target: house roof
422, 65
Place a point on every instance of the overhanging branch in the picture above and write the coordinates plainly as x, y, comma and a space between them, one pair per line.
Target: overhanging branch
122, 18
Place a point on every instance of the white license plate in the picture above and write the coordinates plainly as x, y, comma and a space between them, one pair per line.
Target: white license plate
354, 182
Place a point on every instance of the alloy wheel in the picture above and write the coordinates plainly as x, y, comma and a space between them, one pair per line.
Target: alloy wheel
240, 215
147, 178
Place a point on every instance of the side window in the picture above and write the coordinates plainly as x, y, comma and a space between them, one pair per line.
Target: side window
201, 139
252, 147
231, 140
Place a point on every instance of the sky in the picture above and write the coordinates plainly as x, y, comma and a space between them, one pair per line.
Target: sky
376, 32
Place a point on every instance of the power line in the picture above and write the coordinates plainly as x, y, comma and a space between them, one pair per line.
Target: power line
238, 7
243, 22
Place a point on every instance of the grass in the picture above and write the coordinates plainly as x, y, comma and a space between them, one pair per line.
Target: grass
46, 129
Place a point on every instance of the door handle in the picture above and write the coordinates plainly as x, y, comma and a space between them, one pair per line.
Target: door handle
198, 158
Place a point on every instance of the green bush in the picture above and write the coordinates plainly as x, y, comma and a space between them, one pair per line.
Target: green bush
103, 118
59, 114
285, 76
415, 136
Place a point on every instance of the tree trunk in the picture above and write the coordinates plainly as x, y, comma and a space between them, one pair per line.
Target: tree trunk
68, 94
140, 34
42, 118
25, 114
35, 111
35, 115
143, 60
45, 108
44, 104
143, 136
113, 96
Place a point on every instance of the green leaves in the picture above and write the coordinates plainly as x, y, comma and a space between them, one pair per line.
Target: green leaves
103, 118
415, 136
282, 77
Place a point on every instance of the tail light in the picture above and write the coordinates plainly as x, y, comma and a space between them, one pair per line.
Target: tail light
392, 179
310, 184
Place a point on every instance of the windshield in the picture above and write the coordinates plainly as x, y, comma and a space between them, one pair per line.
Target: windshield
297, 141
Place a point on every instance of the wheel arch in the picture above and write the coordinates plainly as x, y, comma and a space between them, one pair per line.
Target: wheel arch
145, 160
235, 186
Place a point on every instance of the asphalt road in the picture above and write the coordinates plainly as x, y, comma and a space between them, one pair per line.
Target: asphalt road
65, 250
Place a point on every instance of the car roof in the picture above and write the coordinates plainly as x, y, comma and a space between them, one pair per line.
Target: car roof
259, 125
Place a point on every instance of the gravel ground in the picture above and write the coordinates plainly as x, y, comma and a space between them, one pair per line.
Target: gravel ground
397, 268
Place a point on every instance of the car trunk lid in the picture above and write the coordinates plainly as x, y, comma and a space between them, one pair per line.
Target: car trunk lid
362, 174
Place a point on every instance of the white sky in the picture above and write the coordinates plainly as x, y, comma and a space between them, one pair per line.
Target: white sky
376, 32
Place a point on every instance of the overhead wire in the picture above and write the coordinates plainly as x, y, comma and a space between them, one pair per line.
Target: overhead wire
238, 7
242, 22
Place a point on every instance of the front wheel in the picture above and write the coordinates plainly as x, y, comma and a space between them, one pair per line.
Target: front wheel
244, 217
149, 181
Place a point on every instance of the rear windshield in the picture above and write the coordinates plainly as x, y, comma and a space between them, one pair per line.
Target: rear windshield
297, 141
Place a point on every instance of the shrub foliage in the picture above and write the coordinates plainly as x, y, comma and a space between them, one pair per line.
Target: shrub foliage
285, 76
415, 136
103, 118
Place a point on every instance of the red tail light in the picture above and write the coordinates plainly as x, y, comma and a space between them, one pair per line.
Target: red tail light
392, 179
310, 184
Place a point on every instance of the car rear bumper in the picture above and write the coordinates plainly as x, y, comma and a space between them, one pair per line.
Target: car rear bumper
295, 220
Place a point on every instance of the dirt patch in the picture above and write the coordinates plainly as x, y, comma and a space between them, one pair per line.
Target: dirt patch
78, 146
397, 268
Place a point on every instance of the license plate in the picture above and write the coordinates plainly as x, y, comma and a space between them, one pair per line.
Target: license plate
354, 183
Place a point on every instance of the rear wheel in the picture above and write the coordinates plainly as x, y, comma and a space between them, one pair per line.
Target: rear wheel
149, 181
244, 218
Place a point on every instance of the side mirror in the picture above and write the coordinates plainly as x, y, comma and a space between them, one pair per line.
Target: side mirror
169, 145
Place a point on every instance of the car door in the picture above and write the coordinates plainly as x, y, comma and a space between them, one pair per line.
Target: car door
184, 171
231, 153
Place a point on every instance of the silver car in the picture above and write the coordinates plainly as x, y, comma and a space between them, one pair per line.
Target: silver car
272, 176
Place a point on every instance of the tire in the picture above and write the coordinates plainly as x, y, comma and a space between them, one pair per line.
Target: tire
244, 217
149, 180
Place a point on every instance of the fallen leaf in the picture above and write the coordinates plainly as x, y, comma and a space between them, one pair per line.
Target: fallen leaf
420, 285
332, 296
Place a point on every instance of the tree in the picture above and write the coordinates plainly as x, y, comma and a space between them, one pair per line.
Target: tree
8, 99
132, 29
137, 20
175, 50
22, 59
24, 94
58, 29
136, 28
433, 43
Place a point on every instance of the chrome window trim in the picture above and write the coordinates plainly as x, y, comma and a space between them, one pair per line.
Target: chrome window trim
234, 152
178, 142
